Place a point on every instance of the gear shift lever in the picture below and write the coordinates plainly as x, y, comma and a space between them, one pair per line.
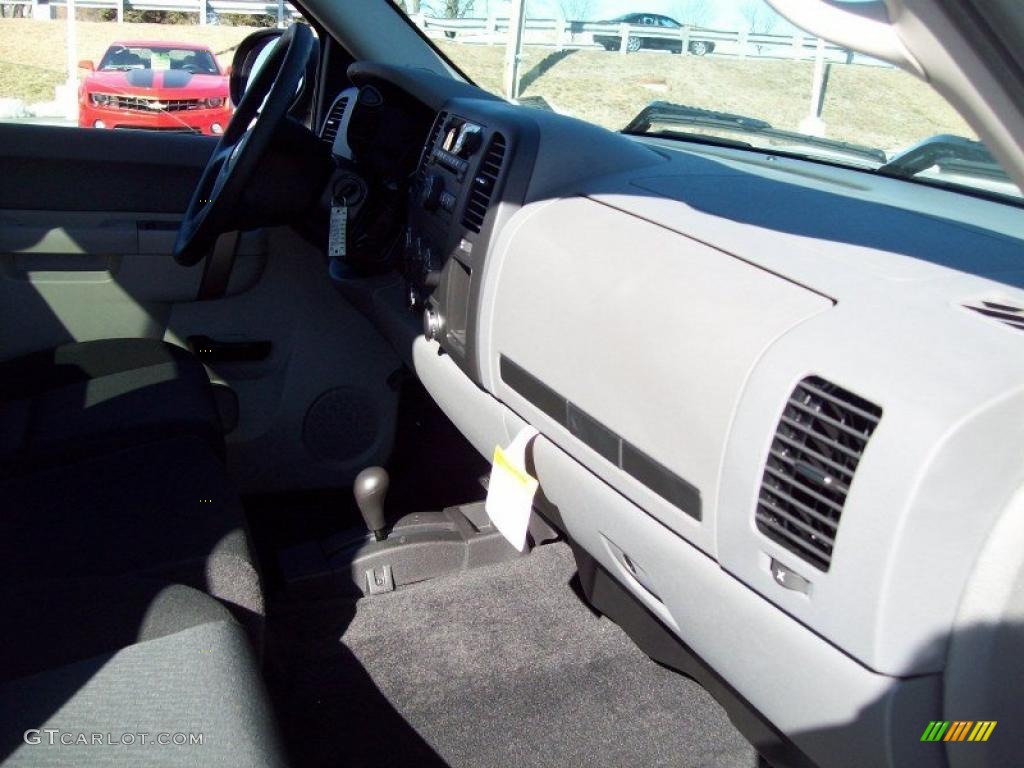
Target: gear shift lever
370, 488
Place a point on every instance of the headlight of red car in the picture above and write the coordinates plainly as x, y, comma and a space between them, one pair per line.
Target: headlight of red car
102, 99
212, 103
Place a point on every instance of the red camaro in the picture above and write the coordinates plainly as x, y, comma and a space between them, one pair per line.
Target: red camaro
155, 86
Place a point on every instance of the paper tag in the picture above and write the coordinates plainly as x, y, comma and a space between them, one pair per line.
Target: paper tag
338, 233
511, 490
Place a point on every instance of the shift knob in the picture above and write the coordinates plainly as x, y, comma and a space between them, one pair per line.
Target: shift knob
370, 488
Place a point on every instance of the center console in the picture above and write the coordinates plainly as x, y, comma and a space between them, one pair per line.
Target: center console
465, 184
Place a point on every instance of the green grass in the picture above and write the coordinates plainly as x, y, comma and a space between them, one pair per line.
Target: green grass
28, 83
876, 106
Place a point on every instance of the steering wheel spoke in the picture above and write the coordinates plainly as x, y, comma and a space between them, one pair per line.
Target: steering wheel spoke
246, 140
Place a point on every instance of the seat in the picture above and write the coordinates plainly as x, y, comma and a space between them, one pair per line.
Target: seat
124, 58
54, 622
147, 659
116, 517
89, 398
165, 509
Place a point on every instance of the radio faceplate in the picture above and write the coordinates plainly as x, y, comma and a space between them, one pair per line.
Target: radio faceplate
438, 196
470, 177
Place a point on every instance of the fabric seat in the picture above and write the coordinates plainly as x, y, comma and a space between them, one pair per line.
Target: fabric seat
54, 622
188, 670
164, 509
84, 399
116, 516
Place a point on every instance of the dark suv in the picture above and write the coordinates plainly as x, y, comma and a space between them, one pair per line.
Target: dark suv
638, 40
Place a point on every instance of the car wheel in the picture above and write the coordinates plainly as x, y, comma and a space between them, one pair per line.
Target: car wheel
698, 48
633, 44
450, 34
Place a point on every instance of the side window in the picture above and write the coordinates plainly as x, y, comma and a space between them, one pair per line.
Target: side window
121, 68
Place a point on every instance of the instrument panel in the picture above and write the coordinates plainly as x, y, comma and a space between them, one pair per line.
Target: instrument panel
457, 192
438, 198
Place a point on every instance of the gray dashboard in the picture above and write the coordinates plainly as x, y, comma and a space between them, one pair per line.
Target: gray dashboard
779, 401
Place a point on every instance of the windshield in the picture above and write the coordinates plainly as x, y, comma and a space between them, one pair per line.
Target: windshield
127, 57
730, 72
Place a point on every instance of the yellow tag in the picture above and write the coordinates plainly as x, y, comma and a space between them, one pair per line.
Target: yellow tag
511, 490
516, 474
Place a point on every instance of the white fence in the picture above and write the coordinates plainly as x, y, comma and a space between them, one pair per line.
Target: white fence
494, 30
561, 33
279, 9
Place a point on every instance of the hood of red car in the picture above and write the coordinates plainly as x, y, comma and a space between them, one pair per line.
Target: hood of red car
166, 83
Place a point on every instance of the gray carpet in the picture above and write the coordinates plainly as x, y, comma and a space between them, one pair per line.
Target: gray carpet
501, 666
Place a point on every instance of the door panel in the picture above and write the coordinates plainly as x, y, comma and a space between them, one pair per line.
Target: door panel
70, 211
87, 221
47, 168
77, 276
134, 247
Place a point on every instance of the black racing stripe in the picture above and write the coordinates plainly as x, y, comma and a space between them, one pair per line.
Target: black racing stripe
176, 78
140, 78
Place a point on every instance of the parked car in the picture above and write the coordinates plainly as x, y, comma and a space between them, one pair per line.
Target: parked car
157, 86
638, 40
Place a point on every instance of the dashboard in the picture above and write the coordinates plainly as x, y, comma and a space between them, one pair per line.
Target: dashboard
780, 402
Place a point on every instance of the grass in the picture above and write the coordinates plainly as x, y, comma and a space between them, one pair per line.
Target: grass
28, 83
876, 106
33, 58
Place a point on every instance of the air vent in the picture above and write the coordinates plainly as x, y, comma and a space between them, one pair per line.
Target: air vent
333, 121
435, 131
818, 444
483, 185
1007, 314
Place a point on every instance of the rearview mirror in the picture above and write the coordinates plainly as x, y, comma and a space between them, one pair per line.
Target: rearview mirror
86, 64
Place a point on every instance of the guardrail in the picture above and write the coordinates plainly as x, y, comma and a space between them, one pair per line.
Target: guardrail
278, 9
563, 33
493, 30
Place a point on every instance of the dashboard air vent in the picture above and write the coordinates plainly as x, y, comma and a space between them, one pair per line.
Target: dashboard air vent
483, 185
1007, 314
435, 132
818, 444
333, 121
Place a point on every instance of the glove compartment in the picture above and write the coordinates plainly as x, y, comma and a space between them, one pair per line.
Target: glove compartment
628, 346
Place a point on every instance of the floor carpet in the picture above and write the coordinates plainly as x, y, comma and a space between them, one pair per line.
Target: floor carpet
500, 666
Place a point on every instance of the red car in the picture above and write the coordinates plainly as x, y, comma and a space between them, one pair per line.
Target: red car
157, 86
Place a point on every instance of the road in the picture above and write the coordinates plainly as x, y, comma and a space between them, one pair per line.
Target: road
42, 121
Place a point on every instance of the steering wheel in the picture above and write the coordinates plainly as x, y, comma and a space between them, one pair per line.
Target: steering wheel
245, 141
